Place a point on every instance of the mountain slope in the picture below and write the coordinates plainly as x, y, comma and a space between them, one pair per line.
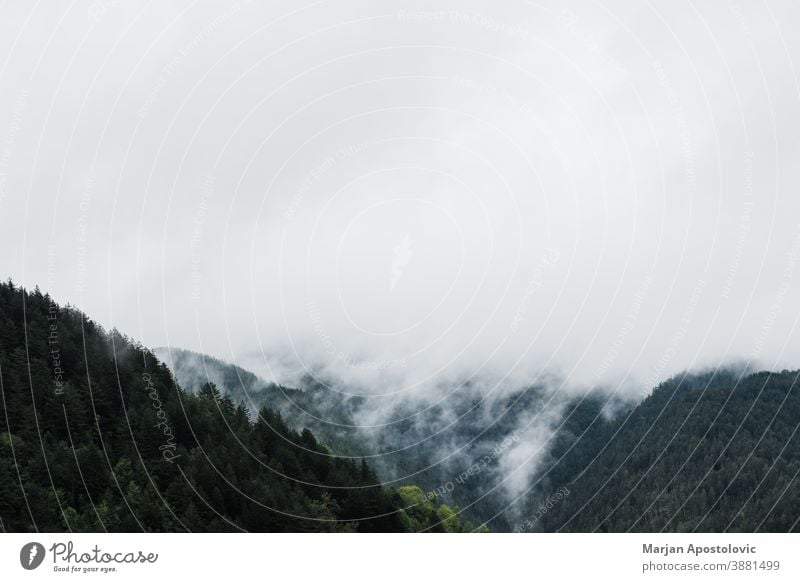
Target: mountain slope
707, 452
309, 408
715, 452
428, 446
95, 435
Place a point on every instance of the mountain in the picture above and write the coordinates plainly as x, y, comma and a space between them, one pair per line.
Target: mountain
96, 435
312, 407
713, 452
716, 451
453, 450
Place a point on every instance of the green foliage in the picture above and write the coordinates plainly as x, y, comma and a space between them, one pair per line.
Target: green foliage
709, 453
96, 435
424, 515
117, 445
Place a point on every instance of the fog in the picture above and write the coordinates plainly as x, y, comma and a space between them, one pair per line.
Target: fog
400, 197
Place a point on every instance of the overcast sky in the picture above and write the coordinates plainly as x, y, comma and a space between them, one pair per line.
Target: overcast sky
400, 194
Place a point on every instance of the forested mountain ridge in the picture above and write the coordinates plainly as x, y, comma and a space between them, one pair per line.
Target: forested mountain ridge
312, 407
426, 446
96, 435
713, 452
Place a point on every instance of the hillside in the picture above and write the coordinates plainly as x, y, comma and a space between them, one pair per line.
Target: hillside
429, 447
708, 453
96, 435
310, 408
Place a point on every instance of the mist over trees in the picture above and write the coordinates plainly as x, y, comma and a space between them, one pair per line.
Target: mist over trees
114, 444
97, 434
714, 451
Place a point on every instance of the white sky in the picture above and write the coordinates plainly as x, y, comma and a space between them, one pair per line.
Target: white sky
400, 194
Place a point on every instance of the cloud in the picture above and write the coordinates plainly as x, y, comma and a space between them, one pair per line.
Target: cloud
600, 193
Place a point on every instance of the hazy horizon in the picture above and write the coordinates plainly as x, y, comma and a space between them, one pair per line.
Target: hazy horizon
402, 197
